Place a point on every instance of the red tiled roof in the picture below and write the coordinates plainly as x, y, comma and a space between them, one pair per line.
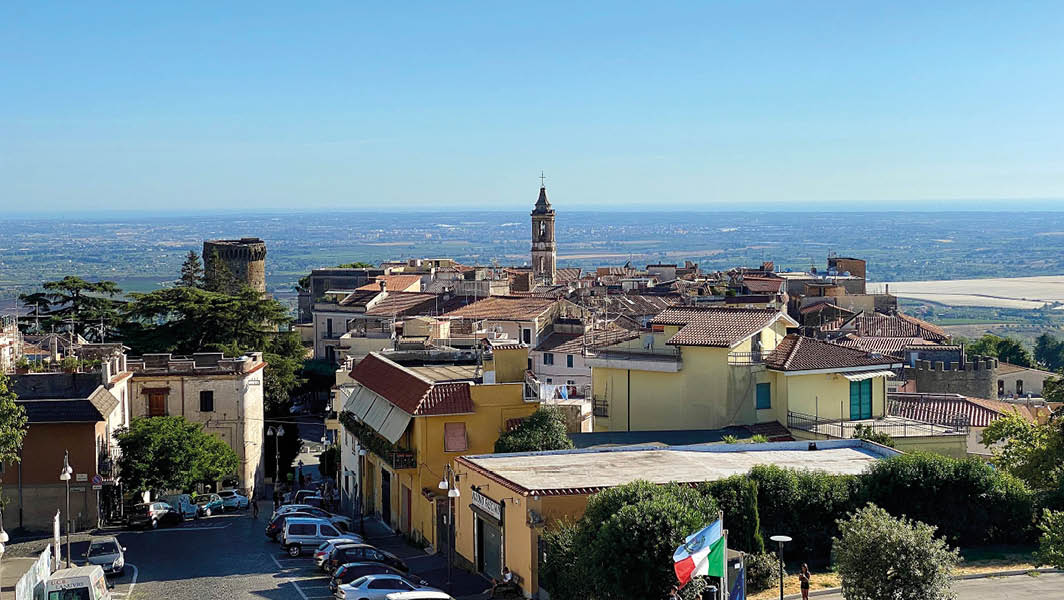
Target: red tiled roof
896, 325
883, 344
404, 303
574, 343
567, 274
714, 326
394, 283
945, 409
409, 392
797, 353
505, 308
763, 285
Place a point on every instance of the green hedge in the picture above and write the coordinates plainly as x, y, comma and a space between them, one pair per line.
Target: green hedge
737, 497
969, 501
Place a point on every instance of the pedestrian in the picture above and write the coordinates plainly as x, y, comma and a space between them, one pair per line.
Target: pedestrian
254, 508
276, 497
803, 578
674, 593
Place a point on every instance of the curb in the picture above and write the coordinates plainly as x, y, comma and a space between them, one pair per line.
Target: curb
838, 590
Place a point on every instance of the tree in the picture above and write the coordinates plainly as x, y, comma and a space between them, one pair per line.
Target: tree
329, 462
880, 557
1053, 389
1051, 544
622, 547
217, 277
1032, 452
542, 430
737, 497
866, 432
12, 423
1006, 349
191, 271
171, 453
1049, 352
75, 304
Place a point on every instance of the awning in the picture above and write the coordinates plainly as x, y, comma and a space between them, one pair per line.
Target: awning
360, 402
861, 376
394, 424
377, 413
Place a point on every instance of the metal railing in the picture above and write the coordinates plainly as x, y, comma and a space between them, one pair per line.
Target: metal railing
537, 391
746, 359
892, 426
600, 407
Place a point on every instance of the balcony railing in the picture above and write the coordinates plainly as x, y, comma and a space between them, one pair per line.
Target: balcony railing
746, 359
898, 427
601, 407
107, 462
403, 460
537, 391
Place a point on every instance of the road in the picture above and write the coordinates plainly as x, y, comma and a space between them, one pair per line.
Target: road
1018, 587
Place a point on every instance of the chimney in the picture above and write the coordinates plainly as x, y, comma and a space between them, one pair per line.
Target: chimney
384, 286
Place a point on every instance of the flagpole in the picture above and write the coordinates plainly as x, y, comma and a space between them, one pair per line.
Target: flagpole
724, 571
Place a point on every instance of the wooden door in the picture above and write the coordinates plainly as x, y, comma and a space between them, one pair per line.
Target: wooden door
156, 404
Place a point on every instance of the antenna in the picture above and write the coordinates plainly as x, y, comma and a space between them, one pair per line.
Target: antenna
542, 179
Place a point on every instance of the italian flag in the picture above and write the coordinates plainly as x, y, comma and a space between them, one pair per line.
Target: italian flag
702, 553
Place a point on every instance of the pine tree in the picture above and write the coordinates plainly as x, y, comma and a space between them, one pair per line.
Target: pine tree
191, 271
217, 277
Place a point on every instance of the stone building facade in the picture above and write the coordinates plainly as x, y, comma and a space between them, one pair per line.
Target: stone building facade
544, 251
975, 377
245, 258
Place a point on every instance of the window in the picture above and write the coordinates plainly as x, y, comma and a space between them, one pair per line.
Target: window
206, 401
526, 336
300, 529
549, 380
861, 399
548, 358
764, 396
454, 437
1001, 387
1019, 387
328, 329
329, 531
569, 361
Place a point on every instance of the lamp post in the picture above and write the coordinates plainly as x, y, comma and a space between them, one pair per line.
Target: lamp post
276, 433
3, 540
64, 475
361, 491
781, 540
450, 483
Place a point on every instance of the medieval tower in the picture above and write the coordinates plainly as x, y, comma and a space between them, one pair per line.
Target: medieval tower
245, 258
544, 253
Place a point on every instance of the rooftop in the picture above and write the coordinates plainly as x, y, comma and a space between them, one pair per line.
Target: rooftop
505, 308
797, 353
393, 283
575, 343
716, 326
411, 391
896, 325
586, 471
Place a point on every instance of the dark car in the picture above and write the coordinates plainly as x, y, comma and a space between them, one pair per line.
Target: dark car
276, 526
363, 553
151, 515
352, 571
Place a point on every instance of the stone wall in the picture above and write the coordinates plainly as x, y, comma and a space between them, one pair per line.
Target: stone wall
245, 258
974, 377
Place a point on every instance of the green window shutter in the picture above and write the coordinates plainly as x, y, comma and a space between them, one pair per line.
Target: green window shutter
855, 400
866, 399
764, 396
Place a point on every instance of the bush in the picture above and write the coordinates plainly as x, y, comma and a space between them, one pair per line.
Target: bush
737, 497
803, 505
879, 556
969, 502
543, 430
762, 571
866, 432
1051, 545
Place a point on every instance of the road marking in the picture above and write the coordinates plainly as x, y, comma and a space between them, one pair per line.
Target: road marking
299, 591
215, 528
132, 582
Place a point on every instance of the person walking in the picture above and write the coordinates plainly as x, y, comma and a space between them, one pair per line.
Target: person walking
803, 578
254, 508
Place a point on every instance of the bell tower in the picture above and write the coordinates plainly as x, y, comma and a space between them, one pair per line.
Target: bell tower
544, 253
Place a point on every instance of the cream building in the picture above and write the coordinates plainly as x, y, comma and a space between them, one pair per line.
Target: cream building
223, 394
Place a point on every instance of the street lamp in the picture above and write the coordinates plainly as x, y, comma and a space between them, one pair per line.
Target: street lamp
450, 483
64, 475
3, 540
781, 540
276, 433
361, 491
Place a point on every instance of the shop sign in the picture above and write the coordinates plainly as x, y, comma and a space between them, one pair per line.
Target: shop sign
487, 505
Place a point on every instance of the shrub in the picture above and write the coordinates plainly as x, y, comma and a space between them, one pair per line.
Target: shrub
866, 432
762, 571
803, 505
1051, 545
543, 430
737, 497
967, 499
880, 556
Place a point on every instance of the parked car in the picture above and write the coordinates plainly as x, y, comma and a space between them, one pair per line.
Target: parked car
108, 554
307, 532
301, 494
321, 554
80, 583
275, 527
233, 500
340, 521
209, 504
183, 504
352, 571
363, 553
379, 587
151, 515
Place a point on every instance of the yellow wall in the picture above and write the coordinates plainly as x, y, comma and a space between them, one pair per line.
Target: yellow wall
510, 365
494, 404
955, 446
820, 394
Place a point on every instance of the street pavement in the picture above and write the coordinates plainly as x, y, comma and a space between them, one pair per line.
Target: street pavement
1042, 586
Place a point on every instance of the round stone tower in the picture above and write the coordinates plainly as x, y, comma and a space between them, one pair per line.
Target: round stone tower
245, 258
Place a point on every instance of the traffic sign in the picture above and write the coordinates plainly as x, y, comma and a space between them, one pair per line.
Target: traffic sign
97, 480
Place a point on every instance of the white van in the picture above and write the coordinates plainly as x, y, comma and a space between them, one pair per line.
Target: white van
78, 583
183, 505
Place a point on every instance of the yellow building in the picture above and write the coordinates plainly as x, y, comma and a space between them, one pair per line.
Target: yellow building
415, 412
506, 500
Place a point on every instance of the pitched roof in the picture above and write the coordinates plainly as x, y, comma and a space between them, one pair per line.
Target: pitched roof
505, 308
945, 409
54, 386
896, 325
763, 285
413, 394
403, 303
884, 344
393, 283
715, 326
574, 343
797, 353
567, 274
94, 408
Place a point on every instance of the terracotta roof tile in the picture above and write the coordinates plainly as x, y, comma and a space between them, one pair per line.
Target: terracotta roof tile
409, 392
944, 409
567, 274
394, 283
896, 325
714, 326
505, 308
883, 344
763, 285
797, 353
574, 343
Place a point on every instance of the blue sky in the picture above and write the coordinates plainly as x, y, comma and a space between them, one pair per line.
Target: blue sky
364, 106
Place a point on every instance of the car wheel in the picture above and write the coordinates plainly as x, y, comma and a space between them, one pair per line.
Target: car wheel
121, 572
207, 512
294, 550
154, 524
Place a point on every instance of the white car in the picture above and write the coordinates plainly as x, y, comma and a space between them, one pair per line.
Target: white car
233, 500
344, 523
386, 587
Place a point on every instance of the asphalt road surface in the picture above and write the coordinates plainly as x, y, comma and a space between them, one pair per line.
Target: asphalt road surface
1044, 586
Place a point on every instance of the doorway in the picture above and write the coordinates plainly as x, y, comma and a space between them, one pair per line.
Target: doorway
489, 548
386, 497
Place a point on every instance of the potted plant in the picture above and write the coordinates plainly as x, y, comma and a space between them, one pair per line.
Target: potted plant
22, 365
69, 364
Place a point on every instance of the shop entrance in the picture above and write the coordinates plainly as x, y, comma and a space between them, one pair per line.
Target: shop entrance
489, 548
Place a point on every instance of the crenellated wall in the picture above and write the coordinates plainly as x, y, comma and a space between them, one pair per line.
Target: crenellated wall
974, 377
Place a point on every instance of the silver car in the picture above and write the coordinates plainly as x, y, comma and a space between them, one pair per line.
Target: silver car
308, 532
381, 587
107, 553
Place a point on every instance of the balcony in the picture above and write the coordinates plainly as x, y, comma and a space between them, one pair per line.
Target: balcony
896, 427
746, 359
107, 462
665, 359
537, 391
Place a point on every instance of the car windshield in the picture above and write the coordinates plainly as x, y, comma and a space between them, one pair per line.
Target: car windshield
142, 507
226, 494
76, 594
358, 582
102, 548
